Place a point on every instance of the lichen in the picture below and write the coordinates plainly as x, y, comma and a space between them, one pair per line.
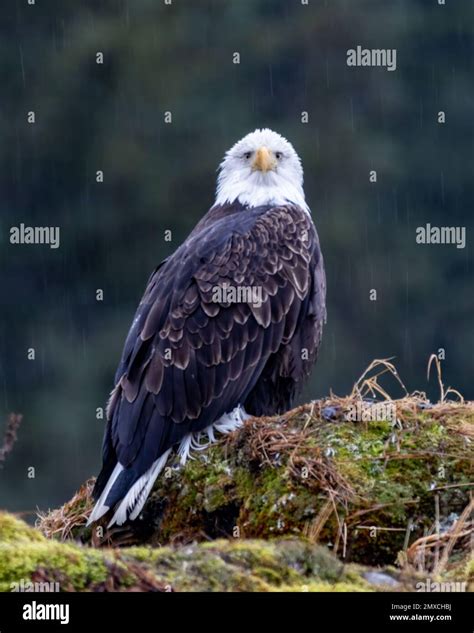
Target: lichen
249, 565
369, 491
391, 473
223, 565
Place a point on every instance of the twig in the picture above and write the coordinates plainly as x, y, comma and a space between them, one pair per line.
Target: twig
457, 532
10, 436
443, 393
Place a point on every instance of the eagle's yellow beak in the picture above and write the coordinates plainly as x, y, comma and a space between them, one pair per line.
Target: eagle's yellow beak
264, 160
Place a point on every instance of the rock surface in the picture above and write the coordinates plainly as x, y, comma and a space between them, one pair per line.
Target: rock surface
299, 502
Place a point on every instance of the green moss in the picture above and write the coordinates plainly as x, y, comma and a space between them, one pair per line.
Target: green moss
390, 468
338, 587
361, 474
70, 565
15, 530
241, 565
289, 564
25, 553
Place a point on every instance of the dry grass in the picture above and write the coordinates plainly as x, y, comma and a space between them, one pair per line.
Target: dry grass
293, 434
269, 438
431, 553
61, 522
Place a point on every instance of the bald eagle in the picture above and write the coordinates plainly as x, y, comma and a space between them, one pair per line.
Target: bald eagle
229, 325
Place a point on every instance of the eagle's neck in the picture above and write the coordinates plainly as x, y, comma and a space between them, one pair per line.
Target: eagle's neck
260, 190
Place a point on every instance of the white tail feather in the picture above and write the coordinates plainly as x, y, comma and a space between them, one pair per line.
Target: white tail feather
133, 502
100, 509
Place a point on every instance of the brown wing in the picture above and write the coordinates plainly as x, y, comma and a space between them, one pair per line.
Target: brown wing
190, 356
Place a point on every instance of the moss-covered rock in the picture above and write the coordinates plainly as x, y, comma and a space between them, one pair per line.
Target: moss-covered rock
223, 565
366, 489
307, 501
24, 551
371, 491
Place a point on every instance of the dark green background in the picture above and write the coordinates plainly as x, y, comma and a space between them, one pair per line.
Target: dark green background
159, 176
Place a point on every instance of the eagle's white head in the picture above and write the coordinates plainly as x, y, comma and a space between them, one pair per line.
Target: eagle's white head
262, 168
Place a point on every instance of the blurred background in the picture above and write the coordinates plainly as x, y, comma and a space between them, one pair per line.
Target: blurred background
110, 117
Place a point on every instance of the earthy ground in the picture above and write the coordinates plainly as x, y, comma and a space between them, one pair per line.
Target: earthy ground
339, 494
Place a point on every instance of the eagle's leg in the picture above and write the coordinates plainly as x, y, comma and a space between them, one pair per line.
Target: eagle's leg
225, 424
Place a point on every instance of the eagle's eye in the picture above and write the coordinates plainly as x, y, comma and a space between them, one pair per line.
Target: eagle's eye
248, 155
278, 155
